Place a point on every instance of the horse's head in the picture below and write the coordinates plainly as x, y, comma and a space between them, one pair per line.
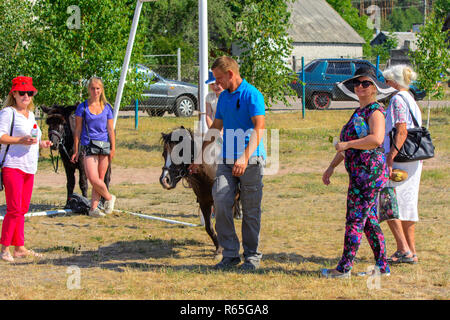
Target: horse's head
178, 151
57, 118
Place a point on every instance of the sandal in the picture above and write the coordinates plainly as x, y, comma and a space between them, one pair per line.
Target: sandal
400, 258
6, 256
415, 259
29, 253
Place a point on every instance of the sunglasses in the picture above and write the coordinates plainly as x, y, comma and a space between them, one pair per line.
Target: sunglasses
29, 93
365, 84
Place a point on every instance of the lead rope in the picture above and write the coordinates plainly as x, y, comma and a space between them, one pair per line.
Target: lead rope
53, 161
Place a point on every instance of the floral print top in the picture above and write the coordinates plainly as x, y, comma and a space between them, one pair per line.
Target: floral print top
367, 166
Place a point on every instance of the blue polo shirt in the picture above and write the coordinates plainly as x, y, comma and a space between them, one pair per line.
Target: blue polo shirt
236, 110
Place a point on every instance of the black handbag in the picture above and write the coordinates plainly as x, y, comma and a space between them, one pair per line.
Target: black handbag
418, 144
6, 151
96, 147
99, 147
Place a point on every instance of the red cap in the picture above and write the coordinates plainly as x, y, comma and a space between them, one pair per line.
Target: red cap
35, 126
23, 84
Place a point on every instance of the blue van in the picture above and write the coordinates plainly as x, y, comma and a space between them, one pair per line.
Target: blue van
321, 76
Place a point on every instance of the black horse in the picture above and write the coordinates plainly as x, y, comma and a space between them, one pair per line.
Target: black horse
201, 182
61, 128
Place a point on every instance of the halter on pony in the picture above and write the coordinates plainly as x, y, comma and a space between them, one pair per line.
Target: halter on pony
61, 142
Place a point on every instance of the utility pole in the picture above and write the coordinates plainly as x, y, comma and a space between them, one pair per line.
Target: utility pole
424, 12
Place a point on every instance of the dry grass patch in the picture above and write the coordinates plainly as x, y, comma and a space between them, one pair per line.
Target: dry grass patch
126, 257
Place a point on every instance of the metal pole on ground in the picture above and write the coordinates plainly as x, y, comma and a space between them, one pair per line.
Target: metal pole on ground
158, 218
53, 212
44, 213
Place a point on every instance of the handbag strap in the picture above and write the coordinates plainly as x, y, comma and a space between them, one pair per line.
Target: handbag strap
10, 133
416, 124
85, 122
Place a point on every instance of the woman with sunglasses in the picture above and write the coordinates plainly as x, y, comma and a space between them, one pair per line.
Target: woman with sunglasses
360, 146
94, 121
19, 164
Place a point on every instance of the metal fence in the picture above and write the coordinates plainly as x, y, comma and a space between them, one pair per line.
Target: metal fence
173, 88
168, 96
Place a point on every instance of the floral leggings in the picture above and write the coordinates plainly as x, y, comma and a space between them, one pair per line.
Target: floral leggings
362, 216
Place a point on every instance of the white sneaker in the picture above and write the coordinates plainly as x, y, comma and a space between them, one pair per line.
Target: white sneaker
327, 273
96, 213
109, 204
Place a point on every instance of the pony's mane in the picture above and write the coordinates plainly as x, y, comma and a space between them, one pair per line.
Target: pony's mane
166, 138
55, 118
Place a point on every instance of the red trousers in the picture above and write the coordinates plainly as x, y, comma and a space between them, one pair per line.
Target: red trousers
18, 189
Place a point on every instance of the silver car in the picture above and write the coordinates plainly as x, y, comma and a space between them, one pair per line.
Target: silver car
163, 95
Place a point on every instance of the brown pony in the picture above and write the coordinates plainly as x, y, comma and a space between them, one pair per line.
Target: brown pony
201, 182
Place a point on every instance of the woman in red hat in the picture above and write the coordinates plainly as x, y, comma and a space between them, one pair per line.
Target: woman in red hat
20, 137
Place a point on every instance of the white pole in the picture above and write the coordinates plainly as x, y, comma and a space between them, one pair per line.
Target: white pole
53, 212
126, 61
158, 218
203, 61
44, 213
179, 63
424, 12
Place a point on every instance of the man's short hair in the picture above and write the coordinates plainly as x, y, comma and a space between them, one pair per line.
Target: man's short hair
225, 64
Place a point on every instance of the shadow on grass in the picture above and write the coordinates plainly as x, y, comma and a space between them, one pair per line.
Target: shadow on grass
122, 256
203, 269
103, 257
296, 258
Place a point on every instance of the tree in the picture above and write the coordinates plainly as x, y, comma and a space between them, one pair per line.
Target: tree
401, 20
359, 23
265, 45
16, 34
62, 54
431, 59
441, 8
174, 24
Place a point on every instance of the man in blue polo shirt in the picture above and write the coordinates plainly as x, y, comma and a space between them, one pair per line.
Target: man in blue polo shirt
241, 114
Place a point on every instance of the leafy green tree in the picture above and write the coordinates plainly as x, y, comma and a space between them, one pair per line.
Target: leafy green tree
73, 43
173, 24
431, 59
359, 23
262, 36
401, 20
16, 34
441, 8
